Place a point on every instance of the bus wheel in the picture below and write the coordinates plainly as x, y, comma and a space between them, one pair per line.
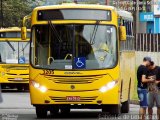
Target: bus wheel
54, 111
20, 88
125, 107
105, 108
41, 112
26, 88
3, 86
65, 110
115, 110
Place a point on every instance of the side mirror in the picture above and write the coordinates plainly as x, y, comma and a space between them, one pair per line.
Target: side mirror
122, 33
24, 33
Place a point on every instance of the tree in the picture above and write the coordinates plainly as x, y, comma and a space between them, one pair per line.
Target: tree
15, 10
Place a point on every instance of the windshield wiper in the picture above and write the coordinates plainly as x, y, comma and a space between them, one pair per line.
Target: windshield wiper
92, 39
25, 46
10, 45
55, 31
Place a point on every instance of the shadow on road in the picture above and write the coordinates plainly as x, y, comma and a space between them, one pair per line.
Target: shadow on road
71, 116
77, 115
14, 91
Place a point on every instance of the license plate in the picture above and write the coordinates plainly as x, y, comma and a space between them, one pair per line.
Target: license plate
73, 98
18, 79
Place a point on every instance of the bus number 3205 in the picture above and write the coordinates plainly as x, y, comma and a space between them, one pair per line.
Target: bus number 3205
48, 72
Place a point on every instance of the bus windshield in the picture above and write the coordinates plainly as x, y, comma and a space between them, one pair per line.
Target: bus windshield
13, 52
58, 46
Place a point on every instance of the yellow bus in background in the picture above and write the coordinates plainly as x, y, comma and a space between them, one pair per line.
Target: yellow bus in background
82, 56
14, 58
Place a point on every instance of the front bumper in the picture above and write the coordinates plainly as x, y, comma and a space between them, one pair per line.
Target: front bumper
88, 97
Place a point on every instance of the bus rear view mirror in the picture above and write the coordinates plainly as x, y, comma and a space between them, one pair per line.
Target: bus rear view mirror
24, 33
122, 33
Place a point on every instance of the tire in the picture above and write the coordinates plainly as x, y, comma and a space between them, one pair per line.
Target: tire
54, 111
105, 108
65, 110
41, 112
26, 88
125, 107
3, 86
20, 88
115, 110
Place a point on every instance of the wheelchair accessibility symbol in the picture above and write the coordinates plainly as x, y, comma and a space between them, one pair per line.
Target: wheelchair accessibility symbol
80, 63
22, 60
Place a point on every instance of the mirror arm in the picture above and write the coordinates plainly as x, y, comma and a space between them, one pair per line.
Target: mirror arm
25, 19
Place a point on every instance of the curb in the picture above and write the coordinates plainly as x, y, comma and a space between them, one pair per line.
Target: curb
136, 102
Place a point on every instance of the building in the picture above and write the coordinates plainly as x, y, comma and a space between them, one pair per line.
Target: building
149, 17
146, 14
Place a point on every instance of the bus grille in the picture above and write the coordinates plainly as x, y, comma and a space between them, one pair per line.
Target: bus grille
74, 79
25, 74
17, 74
82, 99
11, 74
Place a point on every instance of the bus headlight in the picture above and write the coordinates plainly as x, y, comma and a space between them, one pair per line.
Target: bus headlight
108, 86
36, 85
42, 88
3, 73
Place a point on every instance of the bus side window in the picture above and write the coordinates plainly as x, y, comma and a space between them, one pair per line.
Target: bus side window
129, 30
125, 24
119, 22
0, 58
127, 27
132, 28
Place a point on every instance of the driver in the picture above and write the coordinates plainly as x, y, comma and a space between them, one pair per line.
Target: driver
102, 48
101, 51
83, 47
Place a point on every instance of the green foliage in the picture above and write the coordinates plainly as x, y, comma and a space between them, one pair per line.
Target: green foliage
15, 10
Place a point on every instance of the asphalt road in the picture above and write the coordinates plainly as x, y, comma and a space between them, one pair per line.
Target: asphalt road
16, 106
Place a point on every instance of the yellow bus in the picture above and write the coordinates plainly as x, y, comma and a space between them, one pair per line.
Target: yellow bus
14, 59
77, 60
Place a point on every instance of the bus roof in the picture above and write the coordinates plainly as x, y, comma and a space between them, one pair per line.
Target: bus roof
121, 13
12, 29
72, 5
125, 15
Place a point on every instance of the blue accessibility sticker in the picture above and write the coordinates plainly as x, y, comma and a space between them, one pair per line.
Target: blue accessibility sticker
22, 60
80, 63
